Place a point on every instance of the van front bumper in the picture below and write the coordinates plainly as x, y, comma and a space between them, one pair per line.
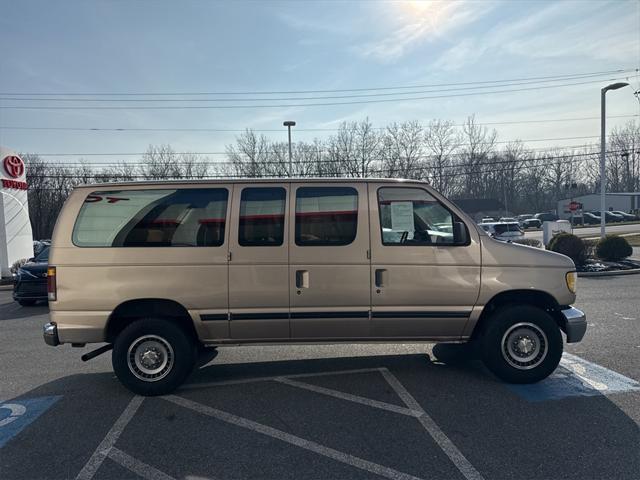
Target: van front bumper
50, 334
574, 324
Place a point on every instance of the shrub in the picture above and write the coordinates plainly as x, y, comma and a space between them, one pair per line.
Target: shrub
613, 247
569, 245
531, 242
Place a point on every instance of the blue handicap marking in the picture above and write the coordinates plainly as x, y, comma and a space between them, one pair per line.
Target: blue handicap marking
15, 415
576, 377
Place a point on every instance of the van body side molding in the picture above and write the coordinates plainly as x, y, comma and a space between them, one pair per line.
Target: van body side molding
213, 317
319, 315
420, 314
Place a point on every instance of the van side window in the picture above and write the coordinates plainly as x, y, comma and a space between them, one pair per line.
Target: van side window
189, 217
262, 217
326, 216
411, 216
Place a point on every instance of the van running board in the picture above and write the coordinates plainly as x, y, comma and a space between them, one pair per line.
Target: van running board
98, 351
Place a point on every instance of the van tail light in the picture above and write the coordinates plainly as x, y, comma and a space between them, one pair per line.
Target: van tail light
52, 288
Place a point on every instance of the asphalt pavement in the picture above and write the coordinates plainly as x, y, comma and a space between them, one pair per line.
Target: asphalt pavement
400, 411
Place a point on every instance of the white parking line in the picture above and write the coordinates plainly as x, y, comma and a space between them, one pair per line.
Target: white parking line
94, 462
447, 446
352, 398
192, 386
136, 466
291, 439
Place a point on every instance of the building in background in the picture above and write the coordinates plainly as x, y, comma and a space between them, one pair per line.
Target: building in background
16, 240
624, 201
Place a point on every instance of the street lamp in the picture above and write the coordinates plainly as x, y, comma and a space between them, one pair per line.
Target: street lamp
290, 124
603, 144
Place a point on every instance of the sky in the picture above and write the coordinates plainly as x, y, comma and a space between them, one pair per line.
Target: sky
167, 47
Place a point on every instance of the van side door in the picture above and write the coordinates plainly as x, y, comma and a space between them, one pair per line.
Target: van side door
425, 280
258, 262
329, 272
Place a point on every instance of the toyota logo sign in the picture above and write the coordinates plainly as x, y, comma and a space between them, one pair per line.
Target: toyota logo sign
14, 166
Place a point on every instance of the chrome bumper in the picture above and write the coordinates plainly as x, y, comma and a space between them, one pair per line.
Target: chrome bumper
574, 324
50, 334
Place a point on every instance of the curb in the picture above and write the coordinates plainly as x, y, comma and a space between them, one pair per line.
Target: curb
6, 287
613, 273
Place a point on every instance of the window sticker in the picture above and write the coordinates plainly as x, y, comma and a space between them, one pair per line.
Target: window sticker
402, 217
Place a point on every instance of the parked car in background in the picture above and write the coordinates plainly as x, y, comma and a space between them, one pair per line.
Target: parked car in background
546, 217
30, 281
39, 245
523, 217
610, 217
627, 217
503, 231
488, 220
531, 223
507, 219
588, 218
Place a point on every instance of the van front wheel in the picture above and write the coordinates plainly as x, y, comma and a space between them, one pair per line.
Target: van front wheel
153, 356
521, 344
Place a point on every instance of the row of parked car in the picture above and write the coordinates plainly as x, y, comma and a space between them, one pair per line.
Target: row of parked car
593, 218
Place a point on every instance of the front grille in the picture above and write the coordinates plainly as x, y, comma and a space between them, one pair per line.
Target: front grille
28, 288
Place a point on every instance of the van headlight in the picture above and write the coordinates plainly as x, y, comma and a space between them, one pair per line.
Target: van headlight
571, 278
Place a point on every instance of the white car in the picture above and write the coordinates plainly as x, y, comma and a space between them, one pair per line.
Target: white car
505, 231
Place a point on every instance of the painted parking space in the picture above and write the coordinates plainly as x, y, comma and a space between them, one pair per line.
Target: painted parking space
16, 415
576, 377
397, 417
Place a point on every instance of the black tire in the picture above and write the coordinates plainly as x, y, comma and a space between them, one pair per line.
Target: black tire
508, 358
177, 355
27, 303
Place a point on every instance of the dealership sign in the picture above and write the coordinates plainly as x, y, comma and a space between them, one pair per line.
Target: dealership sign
14, 173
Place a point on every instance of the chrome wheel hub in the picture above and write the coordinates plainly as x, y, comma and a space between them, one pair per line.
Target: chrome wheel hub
150, 358
524, 346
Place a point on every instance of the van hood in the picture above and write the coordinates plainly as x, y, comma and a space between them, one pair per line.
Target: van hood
495, 252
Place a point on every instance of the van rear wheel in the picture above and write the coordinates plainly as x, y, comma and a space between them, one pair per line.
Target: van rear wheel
153, 356
521, 344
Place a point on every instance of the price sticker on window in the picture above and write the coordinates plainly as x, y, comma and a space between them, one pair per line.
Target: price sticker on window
402, 217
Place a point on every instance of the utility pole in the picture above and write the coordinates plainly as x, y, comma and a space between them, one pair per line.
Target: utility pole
290, 124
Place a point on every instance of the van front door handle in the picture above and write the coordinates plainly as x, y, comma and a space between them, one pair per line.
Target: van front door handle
381, 277
302, 279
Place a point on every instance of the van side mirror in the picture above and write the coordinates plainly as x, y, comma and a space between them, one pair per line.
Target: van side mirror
459, 233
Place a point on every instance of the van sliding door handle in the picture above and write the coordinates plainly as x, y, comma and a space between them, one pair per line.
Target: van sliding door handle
381, 277
302, 279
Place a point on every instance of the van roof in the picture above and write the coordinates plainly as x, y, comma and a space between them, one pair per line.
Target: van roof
143, 183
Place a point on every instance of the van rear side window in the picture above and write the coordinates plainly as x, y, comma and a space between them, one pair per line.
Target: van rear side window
262, 217
189, 217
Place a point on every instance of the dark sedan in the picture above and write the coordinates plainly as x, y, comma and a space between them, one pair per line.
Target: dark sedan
30, 282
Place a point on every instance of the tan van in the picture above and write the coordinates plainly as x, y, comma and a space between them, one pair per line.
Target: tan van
158, 270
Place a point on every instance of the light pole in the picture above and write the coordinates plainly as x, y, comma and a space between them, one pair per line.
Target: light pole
603, 144
290, 124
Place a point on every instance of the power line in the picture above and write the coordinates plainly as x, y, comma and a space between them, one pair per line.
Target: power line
514, 164
130, 154
279, 130
286, 99
287, 105
291, 92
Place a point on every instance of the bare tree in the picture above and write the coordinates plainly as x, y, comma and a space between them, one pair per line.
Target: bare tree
477, 149
441, 140
402, 151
